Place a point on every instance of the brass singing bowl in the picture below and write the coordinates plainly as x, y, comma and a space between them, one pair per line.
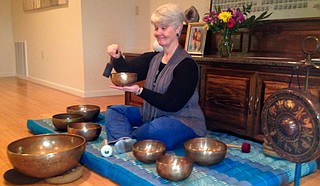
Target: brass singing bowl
205, 151
123, 78
47, 155
90, 112
61, 121
174, 168
148, 151
90, 131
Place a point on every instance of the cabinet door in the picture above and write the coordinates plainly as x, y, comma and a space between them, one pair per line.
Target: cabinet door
226, 98
267, 83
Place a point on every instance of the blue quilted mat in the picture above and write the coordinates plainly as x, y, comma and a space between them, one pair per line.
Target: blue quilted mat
242, 169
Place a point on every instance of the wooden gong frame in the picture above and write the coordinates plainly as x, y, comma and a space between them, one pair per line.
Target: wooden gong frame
291, 118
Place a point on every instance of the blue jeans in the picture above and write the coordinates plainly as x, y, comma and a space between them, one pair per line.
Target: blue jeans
126, 121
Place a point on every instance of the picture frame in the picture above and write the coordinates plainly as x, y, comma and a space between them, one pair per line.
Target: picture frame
196, 38
31, 5
280, 9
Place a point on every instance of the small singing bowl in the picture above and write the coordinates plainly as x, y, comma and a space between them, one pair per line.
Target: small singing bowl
90, 112
174, 168
61, 121
148, 151
90, 131
46, 155
205, 151
123, 78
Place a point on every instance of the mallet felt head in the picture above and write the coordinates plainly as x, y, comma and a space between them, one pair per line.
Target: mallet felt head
245, 147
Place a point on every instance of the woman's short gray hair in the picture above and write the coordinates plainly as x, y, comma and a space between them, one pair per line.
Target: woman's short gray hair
168, 15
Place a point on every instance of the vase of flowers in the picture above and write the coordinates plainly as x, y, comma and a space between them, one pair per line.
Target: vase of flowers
225, 45
228, 22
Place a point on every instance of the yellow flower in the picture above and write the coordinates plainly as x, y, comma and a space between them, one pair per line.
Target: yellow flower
225, 16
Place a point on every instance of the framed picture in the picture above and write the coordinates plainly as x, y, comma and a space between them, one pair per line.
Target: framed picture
196, 38
41, 4
280, 9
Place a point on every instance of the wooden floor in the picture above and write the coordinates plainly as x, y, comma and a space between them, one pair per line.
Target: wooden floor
22, 100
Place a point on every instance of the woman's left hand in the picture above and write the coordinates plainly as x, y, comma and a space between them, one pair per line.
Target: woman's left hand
132, 88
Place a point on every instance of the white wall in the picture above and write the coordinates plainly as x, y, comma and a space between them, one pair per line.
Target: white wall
104, 22
54, 43
7, 59
66, 46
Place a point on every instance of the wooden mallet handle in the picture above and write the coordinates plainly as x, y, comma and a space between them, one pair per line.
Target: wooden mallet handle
245, 147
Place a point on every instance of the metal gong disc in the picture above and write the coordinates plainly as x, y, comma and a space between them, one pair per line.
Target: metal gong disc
290, 122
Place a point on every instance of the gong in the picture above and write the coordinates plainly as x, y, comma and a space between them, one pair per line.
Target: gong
290, 121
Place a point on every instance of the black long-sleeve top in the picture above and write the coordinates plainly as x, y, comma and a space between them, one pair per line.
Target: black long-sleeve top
180, 90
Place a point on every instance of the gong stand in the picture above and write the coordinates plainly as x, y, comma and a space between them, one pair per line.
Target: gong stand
291, 118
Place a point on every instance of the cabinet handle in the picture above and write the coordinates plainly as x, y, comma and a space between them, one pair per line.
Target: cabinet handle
256, 105
249, 104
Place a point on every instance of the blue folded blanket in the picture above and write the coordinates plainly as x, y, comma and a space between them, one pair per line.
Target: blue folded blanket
254, 168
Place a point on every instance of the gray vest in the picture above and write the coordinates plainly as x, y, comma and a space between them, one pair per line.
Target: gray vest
191, 114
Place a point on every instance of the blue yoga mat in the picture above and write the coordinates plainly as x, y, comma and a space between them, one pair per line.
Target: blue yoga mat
242, 169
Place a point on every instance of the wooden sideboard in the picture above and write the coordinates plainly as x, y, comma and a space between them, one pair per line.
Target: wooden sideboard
233, 90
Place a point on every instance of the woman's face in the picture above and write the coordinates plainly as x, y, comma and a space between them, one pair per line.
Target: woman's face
165, 35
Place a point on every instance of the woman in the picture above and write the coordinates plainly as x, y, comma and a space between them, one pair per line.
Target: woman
170, 112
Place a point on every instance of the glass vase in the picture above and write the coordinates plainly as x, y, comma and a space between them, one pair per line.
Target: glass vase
225, 45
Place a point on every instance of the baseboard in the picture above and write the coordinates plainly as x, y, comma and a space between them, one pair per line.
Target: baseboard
7, 74
71, 90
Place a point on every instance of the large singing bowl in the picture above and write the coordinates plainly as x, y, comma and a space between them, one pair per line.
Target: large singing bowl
205, 151
90, 131
148, 151
61, 121
123, 78
174, 168
47, 155
90, 112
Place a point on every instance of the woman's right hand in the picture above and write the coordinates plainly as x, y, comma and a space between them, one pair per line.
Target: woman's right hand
114, 51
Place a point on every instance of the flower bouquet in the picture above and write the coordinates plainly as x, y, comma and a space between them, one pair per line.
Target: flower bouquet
228, 22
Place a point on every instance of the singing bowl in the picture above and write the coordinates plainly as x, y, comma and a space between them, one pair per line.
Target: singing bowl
148, 151
90, 131
174, 168
123, 78
205, 151
90, 112
61, 121
47, 155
